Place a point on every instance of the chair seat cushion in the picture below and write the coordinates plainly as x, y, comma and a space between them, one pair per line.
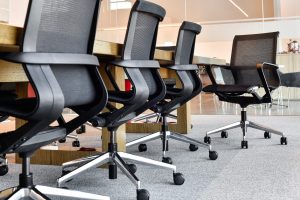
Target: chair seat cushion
47, 136
227, 88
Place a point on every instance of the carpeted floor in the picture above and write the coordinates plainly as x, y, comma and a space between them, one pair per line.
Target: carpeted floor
265, 171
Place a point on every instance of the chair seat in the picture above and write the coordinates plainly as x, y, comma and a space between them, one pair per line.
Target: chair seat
49, 135
227, 88
173, 92
16, 107
120, 96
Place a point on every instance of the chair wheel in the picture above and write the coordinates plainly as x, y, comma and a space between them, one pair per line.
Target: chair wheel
76, 143
193, 147
167, 160
142, 147
178, 178
213, 155
3, 170
244, 144
132, 168
143, 194
224, 134
283, 140
81, 130
192, 126
207, 139
62, 140
267, 135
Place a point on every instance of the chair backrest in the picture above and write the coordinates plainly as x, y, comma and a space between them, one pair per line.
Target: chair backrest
65, 26
248, 51
140, 39
184, 51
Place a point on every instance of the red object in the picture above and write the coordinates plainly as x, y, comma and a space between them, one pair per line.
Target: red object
30, 91
127, 85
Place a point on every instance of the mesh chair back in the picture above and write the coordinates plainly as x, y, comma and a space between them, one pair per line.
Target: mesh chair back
140, 39
65, 26
185, 46
248, 51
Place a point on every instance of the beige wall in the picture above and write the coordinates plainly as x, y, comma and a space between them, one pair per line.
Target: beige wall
18, 10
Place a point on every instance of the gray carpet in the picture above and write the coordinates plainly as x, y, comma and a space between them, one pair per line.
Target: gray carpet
266, 170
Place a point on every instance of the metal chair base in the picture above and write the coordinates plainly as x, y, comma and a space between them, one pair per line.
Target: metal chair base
166, 136
111, 158
244, 124
39, 192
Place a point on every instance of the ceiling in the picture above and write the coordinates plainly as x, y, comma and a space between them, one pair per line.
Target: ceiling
195, 10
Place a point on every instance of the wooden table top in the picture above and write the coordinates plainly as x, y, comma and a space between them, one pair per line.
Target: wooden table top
10, 38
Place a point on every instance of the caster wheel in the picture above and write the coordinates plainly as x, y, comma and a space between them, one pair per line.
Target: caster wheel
213, 155
267, 135
76, 143
283, 140
81, 130
244, 144
224, 134
207, 140
62, 140
167, 160
193, 147
3, 170
143, 194
192, 126
142, 147
178, 178
132, 168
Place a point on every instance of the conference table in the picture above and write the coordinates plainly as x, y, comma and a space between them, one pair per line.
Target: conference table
10, 38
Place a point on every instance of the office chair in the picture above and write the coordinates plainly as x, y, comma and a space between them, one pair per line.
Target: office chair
252, 65
175, 97
7, 93
56, 57
147, 88
291, 79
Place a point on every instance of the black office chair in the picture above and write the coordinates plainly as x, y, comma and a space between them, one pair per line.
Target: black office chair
252, 66
56, 57
291, 79
7, 93
147, 88
191, 87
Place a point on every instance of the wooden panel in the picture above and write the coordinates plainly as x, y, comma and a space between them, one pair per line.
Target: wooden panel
9, 34
56, 157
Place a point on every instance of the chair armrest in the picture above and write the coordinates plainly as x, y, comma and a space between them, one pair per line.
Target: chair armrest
260, 68
50, 58
182, 67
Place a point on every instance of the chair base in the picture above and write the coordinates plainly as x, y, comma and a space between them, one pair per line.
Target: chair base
165, 135
27, 190
244, 124
115, 160
39, 192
